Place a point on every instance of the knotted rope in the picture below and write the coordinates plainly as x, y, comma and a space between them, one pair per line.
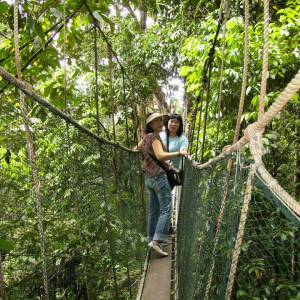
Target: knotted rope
224, 196
264, 78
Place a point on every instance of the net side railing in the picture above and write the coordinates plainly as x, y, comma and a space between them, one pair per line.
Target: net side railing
268, 265
93, 211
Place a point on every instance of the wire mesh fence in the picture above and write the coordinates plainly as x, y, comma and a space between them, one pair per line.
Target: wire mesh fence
93, 211
268, 265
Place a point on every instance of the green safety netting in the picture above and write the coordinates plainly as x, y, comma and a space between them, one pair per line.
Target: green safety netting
268, 266
93, 211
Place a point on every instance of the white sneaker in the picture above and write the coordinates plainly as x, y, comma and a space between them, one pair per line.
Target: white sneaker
157, 248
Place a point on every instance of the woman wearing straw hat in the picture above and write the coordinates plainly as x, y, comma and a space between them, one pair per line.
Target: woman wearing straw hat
159, 191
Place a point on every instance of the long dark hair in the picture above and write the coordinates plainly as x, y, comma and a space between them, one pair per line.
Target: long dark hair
180, 129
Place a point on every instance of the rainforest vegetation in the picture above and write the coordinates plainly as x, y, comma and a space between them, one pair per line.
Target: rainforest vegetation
106, 64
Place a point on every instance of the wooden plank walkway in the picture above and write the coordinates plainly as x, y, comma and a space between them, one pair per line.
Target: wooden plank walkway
157, 284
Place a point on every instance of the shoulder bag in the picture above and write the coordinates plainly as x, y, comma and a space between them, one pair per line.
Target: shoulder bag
174, 175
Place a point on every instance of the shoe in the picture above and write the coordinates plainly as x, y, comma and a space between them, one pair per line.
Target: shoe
157, 248
164, 244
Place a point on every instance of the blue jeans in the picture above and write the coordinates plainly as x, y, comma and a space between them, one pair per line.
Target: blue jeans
160, 207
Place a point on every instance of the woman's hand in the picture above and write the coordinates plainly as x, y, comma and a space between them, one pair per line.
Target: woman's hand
183, 151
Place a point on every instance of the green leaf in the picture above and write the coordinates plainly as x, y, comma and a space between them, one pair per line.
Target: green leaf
100, 17
39, 30
249, 88
128, 35
30, 25
3, 7
48, 89
6, 245
56, 12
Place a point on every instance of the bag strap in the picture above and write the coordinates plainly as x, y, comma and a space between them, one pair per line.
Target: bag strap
158, 162
168, 142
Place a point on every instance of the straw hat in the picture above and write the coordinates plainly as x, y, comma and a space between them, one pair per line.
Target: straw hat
155, 116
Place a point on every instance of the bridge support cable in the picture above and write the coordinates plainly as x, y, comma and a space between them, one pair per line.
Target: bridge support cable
224, 6
27, 90
130, 186
31, 154
242, 224
289, 206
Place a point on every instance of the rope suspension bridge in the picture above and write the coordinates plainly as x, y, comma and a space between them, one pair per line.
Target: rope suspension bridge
233, 217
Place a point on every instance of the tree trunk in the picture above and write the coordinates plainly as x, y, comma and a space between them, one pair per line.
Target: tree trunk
160, 100
143, 12
142, 125
187, 110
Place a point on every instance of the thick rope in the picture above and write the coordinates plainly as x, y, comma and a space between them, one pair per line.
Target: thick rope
256, 149
280, 102
31, 155
237, 248
27, 89
264, 78
291, 89
224, 197
247, 198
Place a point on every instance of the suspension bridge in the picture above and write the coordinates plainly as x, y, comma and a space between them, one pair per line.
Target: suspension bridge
236, 234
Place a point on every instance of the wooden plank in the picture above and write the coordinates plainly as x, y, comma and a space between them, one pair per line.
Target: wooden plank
158, 278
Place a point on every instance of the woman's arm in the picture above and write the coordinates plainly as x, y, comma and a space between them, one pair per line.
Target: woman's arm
161, 155
139, 146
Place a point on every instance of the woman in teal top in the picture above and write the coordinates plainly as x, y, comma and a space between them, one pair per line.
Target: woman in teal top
177, 140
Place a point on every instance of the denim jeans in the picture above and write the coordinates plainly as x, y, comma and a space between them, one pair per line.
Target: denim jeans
160, 207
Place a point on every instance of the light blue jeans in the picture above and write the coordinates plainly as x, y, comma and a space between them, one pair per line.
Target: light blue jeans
160, 207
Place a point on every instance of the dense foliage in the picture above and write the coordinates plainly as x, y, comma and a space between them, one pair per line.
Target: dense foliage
103, 68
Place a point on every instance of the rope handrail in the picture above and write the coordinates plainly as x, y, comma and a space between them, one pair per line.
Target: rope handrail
280, 102
27, 89
291, 89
